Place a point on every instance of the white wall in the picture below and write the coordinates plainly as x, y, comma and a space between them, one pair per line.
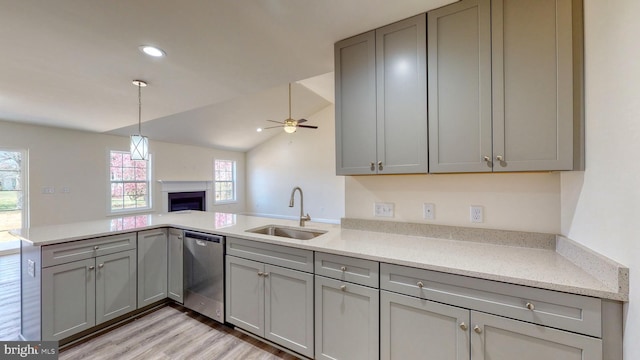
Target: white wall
523, 202
600, 206
305, 158
78, 160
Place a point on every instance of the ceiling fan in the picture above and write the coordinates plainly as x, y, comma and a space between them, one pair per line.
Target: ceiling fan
291, 125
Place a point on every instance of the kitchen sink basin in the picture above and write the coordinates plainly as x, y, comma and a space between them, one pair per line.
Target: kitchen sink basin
287, 232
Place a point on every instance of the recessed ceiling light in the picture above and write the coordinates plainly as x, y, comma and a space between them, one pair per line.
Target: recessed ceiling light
152, 51
259, 129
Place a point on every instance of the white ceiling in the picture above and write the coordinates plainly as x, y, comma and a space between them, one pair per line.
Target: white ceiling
69, 63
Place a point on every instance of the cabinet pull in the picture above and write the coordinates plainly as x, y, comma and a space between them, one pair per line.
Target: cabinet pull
101, 266
260, 273
463, 326
96, 247
530, 306
180, 237
477, 329
343, 287
499, 158
373, 166
420, 284
486, 158
265, 274
380, 165
91, 267
343, 268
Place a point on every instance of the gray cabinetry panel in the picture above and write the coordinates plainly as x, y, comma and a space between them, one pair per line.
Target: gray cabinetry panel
289, 308
85, 249
413, 328
459, 67
152, 266
499, 338
175, 283
292, 258
346, 320
68, 299
576, 313
244, 295
359, 271
355, 96
532, 84
115, 285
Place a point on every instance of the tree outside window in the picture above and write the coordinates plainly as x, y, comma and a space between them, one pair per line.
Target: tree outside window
130, 182
225, 181
12, 206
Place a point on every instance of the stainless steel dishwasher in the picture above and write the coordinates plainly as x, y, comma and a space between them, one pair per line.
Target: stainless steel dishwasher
204, 274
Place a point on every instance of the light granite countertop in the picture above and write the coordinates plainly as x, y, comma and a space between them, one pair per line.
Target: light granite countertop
530, 266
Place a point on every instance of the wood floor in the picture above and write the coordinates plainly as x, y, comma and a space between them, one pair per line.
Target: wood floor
168, 333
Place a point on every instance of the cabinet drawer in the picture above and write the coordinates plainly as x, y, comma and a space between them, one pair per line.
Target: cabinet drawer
359, 271
292, 258
580, 314
85, 249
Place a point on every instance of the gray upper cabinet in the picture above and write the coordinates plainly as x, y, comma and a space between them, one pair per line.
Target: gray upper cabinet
532, 85
381, 110
175, 266
459, 68
152, 266
501, 86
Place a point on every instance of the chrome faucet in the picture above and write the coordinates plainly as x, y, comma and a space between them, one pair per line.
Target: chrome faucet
303, 217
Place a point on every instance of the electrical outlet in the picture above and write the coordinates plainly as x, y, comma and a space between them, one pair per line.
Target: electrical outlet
48, 190
428, 211
66, 189
475, 214
381, 209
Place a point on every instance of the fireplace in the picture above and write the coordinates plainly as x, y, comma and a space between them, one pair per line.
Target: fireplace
191, 200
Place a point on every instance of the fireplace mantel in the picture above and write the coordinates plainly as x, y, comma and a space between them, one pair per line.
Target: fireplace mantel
171, 186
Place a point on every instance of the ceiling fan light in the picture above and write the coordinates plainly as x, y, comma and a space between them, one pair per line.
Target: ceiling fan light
289, 129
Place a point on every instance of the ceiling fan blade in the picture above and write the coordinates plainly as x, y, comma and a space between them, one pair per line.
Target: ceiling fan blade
277, 122
308, 126
272, 127
302, 120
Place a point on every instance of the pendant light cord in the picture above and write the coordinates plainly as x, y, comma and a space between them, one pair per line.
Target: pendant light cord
139, 109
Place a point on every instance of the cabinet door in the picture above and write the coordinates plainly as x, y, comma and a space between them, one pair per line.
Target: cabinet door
244, 295
68, 299
289, 308
414, 328
115, 285
532, 84
459, 67
175, 266
355, 77
401, 82
346, 320
498, 338
152, 266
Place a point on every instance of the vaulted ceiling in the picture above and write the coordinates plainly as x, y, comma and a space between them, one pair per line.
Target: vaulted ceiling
70, 63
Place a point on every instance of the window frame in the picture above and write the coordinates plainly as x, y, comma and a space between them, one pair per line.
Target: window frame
234, 182
24, 178
125, 211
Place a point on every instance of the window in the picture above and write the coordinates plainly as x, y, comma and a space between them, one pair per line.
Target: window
12, 193
225, 181
130, 182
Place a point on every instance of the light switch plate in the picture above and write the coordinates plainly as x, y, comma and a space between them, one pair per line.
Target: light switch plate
381, 209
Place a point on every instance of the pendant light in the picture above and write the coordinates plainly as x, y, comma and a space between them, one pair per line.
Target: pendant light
139, 143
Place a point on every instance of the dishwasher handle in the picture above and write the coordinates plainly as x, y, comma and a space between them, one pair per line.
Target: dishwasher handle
201, 238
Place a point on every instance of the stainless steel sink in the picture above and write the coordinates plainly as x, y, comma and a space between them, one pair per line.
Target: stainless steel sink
287, 232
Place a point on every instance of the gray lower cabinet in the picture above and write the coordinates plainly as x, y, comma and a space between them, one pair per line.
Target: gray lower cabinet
346, 320
270, 301
414, 328
115, 285
175, 280
152, 266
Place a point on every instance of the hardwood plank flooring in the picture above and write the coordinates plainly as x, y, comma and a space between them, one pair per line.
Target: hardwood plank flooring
173, 332
9, 297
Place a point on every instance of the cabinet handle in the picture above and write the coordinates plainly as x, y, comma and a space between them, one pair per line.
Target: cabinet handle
530, 306
180, 237
420, 284
101, 266
343, 287
343, 268
499, 158
260, 273
91, 267
486, 158
96, 247
265, 274
380, 165
373, 166
477, 329
463, 326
